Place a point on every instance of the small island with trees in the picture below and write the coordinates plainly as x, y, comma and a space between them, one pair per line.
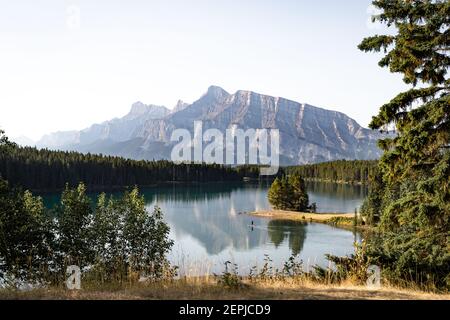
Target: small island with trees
289, 193
290, 201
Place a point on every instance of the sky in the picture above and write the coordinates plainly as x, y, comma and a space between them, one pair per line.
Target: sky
65, 65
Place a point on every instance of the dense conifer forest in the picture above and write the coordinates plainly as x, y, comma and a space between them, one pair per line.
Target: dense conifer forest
44, 169
342, 171
36, 169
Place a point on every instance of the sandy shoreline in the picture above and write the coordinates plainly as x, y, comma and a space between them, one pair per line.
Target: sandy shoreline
300, 216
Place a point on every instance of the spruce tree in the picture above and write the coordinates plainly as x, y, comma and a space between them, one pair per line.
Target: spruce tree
286, 194
300, 200
275, 195
5, 144
415, 208
4, 141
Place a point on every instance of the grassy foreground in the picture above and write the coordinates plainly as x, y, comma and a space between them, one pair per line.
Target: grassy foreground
208, 289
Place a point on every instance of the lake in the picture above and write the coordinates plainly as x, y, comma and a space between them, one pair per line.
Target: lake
209, 225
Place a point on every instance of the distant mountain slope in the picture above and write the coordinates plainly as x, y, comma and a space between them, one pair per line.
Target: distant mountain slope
23, 141
307, 134
116, 130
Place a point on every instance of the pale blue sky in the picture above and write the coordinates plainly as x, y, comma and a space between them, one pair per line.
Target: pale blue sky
58, 74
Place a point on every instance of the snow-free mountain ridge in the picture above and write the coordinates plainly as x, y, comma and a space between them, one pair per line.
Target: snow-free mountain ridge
307, 134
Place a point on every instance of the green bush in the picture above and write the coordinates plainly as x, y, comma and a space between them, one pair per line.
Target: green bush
25, 236
116, 240
230, 278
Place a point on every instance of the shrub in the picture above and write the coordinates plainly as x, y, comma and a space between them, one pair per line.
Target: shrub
24, 236
230, 278
117, 240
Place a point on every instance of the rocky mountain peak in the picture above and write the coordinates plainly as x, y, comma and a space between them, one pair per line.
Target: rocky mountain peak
307, 134
181, 105
138, 108
141, 110
216, 92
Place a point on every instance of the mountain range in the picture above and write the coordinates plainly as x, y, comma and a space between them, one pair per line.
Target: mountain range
308, 134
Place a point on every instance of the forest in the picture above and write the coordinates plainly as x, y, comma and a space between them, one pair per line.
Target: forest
46, 170
341, 171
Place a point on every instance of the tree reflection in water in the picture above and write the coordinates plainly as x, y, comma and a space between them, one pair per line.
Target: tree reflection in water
294, 231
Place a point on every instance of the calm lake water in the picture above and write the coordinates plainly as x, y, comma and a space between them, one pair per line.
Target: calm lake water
209, 226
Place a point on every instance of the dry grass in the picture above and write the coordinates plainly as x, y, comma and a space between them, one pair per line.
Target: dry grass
207, 289
301, 216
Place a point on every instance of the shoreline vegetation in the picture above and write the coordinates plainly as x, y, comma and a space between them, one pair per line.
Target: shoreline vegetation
113, 189
207, 288
350, 183
300, 216
244, 181
336, 219
289, 200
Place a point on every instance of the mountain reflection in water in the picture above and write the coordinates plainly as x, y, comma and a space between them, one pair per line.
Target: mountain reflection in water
209, 225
